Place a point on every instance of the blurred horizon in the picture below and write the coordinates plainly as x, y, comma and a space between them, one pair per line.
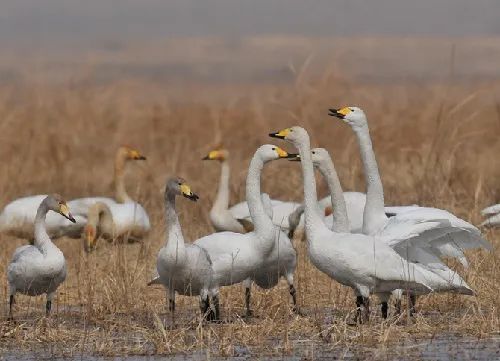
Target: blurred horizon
239, 41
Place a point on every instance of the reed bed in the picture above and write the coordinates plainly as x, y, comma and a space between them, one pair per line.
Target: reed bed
437, 144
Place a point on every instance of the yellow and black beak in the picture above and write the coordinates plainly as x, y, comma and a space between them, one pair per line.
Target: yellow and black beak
339, 113
135, 155
282, 134
294, 157
64, 210
186, 192
213, 155
282, 154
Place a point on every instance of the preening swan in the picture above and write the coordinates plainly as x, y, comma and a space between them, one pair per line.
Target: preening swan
263, 255
183, 268
121, 217
40, 268
359, 261
18, 217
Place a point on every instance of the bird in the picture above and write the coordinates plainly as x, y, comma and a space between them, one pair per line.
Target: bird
184, 268
39, 268
464, 234
18, 217
421, 251
263, 255
362, 262
118, 218
237, 218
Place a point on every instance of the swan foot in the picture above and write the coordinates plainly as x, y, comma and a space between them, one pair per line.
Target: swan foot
295, 308
11, 303
413, 301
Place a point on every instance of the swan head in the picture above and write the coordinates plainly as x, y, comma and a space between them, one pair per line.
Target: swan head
56, 203
89, 238
354, 116
294, 134
179, 187
217, 154
318, 155
129, 153
269, 152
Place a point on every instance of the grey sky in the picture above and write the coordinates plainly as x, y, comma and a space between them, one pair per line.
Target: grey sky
88, 22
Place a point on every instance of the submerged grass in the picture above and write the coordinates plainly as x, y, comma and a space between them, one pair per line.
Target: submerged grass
436, 145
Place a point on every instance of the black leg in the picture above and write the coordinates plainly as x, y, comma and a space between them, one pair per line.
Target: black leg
247, 302
205, 309
359, 303
366, 304
11, 303
397, 306
171, 305
216, 308
413, 301
385, 308
293, 293
48, 307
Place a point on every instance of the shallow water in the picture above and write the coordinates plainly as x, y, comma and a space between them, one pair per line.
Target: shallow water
440, 348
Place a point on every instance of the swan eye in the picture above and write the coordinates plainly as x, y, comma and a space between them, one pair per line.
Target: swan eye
179, 183
291, 130
352, 109
273, 148
313, 152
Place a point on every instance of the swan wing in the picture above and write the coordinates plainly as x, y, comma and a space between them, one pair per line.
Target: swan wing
80, 206
129, 217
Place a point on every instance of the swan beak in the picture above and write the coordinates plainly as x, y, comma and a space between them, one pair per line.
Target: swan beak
135, 155
186, 192
293, 157
64, 210
213, 155
328, 211
282, 153
340, 113
281, 134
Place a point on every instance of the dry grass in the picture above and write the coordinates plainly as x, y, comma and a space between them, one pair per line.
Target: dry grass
436, 145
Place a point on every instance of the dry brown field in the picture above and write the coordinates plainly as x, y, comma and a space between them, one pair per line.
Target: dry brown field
437, 144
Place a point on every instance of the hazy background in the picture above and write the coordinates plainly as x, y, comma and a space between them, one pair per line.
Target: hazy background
241, 41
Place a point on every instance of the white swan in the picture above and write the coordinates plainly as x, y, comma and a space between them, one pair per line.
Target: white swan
463, 234
492, 215
183, 268
41, 268
221, 216
359, 261
237, 218
18, 217
419, 252
263, 255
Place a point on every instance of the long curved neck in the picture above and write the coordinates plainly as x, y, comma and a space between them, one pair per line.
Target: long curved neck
222, 198
100, 217
121, 194
175, 246
312, 219
340, 217
42, 239
263, 225
374, 215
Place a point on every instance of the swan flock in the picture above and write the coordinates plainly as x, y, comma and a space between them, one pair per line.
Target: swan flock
352, 237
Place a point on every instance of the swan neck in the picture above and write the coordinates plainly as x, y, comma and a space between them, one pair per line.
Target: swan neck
340, 217
222, 198
262, 223
121, 194
42, 239
374, 215
100, 218
313, 221
175, 241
